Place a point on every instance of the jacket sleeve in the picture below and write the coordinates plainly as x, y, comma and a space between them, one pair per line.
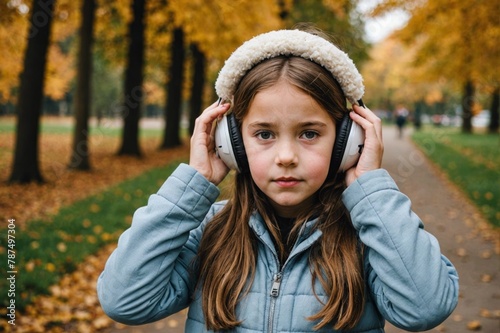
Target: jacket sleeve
149, 275
414, 285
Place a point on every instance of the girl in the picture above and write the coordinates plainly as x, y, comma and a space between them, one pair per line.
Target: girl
300, 246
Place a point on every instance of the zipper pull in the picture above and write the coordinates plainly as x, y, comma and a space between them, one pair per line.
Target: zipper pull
276, 285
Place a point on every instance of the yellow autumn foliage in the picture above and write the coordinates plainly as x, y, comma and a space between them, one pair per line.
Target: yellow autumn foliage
13, 35
391, 77
217, 27
456, 39
13, 27
59, 73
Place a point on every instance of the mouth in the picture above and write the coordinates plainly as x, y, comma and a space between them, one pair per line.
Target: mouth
286, 181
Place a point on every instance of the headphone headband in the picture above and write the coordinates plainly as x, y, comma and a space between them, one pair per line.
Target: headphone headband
290, 42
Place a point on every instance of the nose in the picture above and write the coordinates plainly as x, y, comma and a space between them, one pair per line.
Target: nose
286, 153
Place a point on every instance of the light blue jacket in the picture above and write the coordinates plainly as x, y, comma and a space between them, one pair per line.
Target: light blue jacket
147, 277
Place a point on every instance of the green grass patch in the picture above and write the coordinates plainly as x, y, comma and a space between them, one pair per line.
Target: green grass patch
472, 161
7, 126
46, 250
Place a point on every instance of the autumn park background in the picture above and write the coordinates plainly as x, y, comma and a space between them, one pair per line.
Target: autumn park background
97, 100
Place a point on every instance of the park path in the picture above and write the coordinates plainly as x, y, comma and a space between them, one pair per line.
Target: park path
449, 216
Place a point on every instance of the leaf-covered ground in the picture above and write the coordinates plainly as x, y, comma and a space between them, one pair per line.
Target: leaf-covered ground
63, 186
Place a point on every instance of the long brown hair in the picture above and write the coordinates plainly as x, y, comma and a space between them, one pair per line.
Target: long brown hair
228, 249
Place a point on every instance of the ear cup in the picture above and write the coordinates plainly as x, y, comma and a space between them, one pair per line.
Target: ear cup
343, 129
348, 146
223, 145
237, 144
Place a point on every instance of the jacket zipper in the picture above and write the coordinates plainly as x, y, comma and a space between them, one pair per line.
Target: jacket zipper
275, 290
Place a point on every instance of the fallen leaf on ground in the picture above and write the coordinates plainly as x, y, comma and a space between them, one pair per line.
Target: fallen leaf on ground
486, 254
485, 313
461, 252
474, 325
173, 323
486, 278
63, 186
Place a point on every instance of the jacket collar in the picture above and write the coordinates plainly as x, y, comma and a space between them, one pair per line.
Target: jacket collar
308, 235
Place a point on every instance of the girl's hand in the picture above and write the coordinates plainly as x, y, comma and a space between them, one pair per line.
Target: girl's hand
202, 155
371, 158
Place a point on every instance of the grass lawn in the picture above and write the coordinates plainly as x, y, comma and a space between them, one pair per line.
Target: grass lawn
472, 161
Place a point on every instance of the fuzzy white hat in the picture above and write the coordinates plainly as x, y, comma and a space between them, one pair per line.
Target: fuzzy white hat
290, 42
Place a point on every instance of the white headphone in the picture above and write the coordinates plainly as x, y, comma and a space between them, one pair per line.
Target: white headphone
350, 136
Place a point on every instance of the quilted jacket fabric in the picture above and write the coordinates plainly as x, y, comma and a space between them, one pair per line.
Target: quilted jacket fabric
409, 282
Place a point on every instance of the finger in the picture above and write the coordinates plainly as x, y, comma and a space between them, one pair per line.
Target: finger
215, 111
367, 119
204, 122
366, 113
367, 124
373, 134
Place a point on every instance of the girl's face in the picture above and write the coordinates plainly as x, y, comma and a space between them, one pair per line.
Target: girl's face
289, 141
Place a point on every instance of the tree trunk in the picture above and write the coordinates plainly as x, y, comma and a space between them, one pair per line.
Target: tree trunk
171, 137
80, 153
197, 87
133, 94
25, 167
494, 111
467, 105
283, 10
